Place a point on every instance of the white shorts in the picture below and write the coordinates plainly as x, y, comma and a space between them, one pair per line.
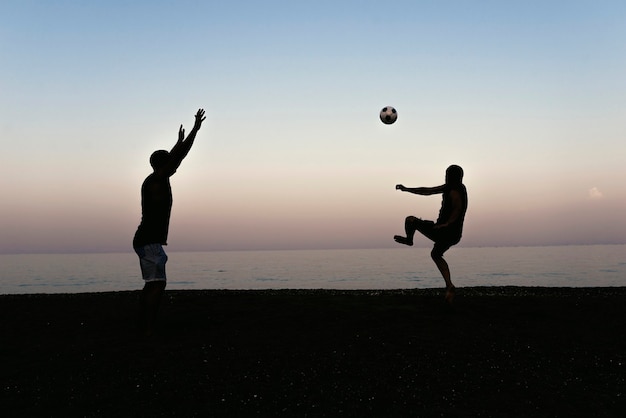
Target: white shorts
152, 259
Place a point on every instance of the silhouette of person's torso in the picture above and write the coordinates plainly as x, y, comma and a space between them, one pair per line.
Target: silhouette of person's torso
447, 207
156, 206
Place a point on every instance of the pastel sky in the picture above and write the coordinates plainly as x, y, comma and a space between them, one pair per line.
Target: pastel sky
528, 97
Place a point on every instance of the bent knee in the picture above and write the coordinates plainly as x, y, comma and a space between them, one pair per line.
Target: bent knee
438, 250
412, 220
436, 254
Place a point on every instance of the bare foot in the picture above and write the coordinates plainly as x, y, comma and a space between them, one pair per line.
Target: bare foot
402, 240
450, 293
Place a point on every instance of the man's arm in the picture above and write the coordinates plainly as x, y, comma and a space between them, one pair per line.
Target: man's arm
182, 147
424, 191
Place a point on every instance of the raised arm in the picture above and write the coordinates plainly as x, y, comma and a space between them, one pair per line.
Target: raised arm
183, 145
424, 191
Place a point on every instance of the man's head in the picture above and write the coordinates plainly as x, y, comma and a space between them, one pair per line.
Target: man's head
159, 158
454, 175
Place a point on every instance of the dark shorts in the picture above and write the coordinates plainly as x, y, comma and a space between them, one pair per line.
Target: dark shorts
442, 238
152, 259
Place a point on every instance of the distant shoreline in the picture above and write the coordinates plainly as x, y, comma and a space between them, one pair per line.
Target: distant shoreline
470, 291
402, 268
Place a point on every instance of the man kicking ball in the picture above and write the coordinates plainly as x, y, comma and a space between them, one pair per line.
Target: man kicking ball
448, 228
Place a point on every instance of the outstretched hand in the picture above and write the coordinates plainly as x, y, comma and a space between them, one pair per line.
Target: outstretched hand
181, 134
199, 119
400, 187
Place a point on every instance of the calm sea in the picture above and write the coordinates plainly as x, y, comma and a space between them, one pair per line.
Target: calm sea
398, 268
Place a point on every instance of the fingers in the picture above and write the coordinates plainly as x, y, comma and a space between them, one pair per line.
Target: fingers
200, 117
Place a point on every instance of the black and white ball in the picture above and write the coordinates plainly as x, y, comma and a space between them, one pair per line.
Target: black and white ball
388, 115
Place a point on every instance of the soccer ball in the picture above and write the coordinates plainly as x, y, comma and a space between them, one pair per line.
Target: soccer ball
388, 115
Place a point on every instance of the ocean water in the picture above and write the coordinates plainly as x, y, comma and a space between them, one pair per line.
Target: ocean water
397, 268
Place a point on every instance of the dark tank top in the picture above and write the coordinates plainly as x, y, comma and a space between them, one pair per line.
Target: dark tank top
456, 228
156, 206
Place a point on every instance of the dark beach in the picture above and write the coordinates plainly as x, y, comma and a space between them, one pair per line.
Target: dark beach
499, 351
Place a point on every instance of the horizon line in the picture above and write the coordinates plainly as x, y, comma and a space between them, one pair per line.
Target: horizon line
9, 253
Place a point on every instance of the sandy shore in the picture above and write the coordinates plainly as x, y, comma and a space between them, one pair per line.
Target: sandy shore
505, 351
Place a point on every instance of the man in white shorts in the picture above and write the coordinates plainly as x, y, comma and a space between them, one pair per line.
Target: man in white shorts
151, 235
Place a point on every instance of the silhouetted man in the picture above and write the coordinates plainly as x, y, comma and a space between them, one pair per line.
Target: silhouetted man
448, 229
151, 235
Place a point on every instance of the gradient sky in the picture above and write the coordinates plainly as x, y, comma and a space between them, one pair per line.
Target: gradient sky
528, 97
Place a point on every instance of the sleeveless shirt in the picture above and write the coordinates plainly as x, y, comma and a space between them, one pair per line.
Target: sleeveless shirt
156, 207
456, 228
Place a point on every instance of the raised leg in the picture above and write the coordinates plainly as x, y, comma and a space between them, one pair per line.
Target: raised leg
410, 226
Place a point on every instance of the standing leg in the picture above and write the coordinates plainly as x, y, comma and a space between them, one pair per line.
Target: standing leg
152, 259
437, 256
150, 302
